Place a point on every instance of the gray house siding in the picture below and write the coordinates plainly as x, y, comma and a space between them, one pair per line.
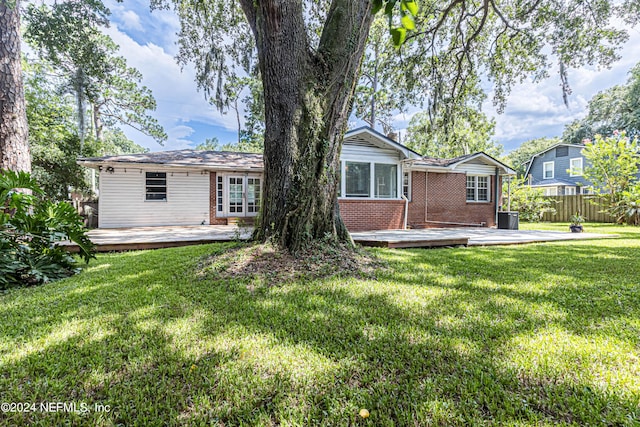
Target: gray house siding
561, 166
561, 156
562, 178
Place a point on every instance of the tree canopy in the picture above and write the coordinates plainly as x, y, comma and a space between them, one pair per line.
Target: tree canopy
471, 131
54, 136
614, 109
519, 157
69, 35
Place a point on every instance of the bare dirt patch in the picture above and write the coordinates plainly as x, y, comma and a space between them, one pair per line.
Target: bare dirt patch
274, 266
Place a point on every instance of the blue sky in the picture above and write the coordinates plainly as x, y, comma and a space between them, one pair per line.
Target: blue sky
148, 42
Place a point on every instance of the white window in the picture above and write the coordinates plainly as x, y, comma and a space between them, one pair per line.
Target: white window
406, 185
370, 180
358, 179
575, 167
253, 195
220, 194
386, 181
478, 188
238, 195
569, 191
550, 191
156, 186
547, 170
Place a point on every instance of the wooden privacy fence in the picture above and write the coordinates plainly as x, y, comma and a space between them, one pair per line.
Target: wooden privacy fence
589, 207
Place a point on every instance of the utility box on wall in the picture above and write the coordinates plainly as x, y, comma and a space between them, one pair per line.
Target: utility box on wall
508, 220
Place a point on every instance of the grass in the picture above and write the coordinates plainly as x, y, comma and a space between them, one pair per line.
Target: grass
541, 334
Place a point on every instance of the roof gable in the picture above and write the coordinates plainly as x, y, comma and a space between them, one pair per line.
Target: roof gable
368, 135
529, 162
451, 164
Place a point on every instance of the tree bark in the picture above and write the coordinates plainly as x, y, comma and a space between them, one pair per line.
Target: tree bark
307, 104
14, 134
97, 122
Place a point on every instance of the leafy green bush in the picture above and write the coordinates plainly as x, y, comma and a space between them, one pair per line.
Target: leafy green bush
627, 208
531, 203
612, 169
30, 230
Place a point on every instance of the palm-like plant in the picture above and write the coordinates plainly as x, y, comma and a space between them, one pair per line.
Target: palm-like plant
30, 231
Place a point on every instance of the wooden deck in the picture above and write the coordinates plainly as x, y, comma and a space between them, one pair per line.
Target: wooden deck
127, 239
412, 243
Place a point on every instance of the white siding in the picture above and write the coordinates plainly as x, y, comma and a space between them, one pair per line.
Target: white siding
476, 169
122, 199
363, 152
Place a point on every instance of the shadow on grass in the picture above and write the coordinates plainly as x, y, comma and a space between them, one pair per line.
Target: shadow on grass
448, 337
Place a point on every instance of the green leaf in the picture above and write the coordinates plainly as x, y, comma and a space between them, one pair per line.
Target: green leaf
411, 6
398, 35
407, 22
388, 10
377, 5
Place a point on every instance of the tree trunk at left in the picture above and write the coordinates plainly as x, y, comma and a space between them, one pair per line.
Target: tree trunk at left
14, 134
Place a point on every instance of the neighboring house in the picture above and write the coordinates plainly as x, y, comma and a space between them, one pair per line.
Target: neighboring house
558, 170
189, 187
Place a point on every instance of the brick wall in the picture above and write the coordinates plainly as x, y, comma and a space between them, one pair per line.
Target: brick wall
446, 202
366, 215
418, 197
213, 203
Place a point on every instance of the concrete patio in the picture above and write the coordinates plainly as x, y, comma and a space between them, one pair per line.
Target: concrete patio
474, 236
121, 239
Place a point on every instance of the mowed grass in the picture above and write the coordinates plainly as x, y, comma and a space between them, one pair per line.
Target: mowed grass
541, 334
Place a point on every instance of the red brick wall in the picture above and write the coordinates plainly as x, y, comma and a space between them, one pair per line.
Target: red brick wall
366, 215
418, 197
446, 202
213, 192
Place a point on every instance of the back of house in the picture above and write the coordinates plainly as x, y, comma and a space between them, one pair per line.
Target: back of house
384, 186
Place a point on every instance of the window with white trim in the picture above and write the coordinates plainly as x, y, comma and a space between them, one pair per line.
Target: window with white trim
575, 166
406, 185
569, 191
370, 180
547, 170
220, 193
358, 179
478, 188
550, 191
156, 186
386, 181
253, 195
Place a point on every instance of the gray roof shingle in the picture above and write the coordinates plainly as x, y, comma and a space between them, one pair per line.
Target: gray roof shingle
186, 158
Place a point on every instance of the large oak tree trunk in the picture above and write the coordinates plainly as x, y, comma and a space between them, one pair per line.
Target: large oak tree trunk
14, 137
307, 104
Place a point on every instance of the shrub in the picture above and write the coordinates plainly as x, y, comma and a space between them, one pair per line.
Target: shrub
531, 203
31, 228
612, 169
627, 208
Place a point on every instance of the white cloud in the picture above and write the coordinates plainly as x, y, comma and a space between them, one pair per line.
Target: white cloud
536, 109
131, 20
174, 89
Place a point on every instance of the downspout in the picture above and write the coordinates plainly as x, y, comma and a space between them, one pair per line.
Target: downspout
406, 211
426, 195
497, 196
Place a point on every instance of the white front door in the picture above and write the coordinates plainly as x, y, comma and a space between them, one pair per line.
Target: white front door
243, 195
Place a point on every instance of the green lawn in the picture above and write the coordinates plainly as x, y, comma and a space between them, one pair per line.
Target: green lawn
541, 334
